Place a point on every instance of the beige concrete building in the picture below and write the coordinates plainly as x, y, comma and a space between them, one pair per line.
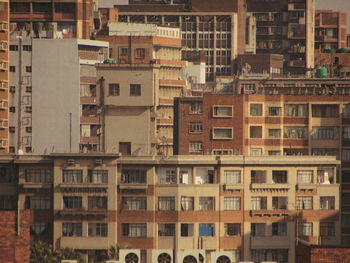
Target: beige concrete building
138, 88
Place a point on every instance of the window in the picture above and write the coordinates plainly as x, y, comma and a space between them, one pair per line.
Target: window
130, 176
196, 108
324, 151
12, 69
305, 177
195, 127
256, 110
295, 132
72, 176
113, 89
13, 47
37, 202
28, 109
222, 133
327, 229
135, 90
12, 129
207, 203
274, 133
304, 202
28, 69
279, 202
133, 203
166, 203
38, 229
12, 109
38, 175
325, 176
204, 176
27, 48
72, 202
233, 229
327, 202
195, 147
8, 202
325, 133
280, 177
232, 203
72, 229
29, 129
295, 110
134, 230
167, 176
275, 111
222, 111
232, 177
259, 255
256, 151
98, 176
140, 53
279, 255
185, 176
258, 177
97, 202
255, 131
345, 154
187, 203
259, 203
206, 230
305, 229
271, 153
325, 110
167, 230
346, 133
123, 51
8, 175
257, 229
279, 229
222, 152
187, 230
98, 229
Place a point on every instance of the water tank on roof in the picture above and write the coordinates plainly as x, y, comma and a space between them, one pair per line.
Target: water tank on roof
321, 72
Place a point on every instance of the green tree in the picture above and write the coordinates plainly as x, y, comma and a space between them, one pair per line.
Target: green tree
69, 253
113, 251
42, 252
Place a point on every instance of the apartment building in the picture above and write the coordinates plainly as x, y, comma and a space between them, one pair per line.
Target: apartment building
71, 19
41, 78
218, 30
237, 208
139, 86
330, 29
269, 117
286, 27
4, 74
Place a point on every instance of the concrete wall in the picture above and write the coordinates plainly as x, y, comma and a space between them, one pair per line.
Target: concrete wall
55, 95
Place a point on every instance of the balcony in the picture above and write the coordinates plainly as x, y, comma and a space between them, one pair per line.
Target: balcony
85, 242
88, 100
90, 140
132, 186
271, 241
233, 187
269, 186
269, 213
307, 187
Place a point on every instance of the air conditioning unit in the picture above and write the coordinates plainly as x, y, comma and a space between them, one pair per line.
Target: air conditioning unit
222, 257
189, 256
129, 256
71, 161
69, 261
162, 255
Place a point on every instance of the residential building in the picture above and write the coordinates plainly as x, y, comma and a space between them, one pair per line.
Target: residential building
218, 30
4, 74
138, 88
337, 63
269, 117
65, 86
330, 30
69, 19
245, 208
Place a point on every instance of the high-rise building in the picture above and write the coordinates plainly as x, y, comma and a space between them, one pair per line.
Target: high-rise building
4, 74
330, 30
138, 88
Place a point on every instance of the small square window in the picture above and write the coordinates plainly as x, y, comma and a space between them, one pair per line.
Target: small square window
12, 69
12, 89
113, 89
28, 149
12, 109
12, 149
13, 48
28, 109
28, 69
256, 110
12, 129
140, 53
29, 89
123, 51
29, 129
27, 48
255, 131
135, 90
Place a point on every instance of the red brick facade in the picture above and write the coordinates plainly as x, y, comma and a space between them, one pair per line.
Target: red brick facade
14, 248
319, 254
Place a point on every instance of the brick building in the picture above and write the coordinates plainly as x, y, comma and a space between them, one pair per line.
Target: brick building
330, 30
243, 208
269, 117
4, 74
